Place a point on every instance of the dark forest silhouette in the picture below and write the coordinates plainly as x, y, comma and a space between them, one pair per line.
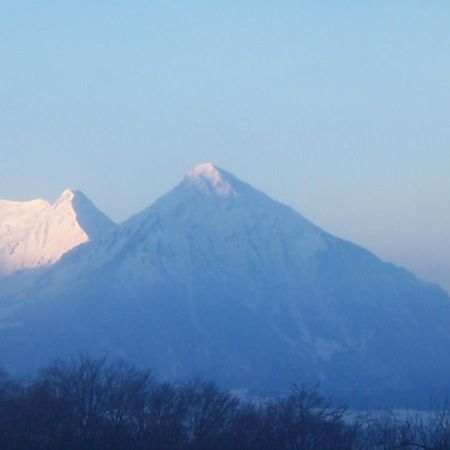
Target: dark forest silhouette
89, 404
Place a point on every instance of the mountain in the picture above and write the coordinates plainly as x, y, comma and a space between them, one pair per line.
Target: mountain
36, 233
218, 280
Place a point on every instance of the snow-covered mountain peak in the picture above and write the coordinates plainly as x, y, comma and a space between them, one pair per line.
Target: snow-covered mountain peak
210, 180
65, 200
71, 200
220, 281
207, 169
36, 233
67, 194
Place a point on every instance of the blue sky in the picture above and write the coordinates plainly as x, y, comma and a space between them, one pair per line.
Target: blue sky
339, 109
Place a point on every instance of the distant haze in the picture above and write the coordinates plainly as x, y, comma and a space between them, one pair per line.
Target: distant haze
339, 109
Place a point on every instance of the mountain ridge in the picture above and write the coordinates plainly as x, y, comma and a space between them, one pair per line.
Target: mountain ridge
37, 233
218, 280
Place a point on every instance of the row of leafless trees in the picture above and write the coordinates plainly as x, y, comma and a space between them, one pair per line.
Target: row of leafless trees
92, 405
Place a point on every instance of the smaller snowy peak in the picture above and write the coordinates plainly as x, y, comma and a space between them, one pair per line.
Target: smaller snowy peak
92, 221
66, 196
36, 233
211, 180
65, 201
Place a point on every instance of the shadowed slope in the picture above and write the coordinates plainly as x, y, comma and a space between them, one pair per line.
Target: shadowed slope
218, 280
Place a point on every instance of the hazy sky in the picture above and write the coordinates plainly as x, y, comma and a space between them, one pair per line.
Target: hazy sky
340, 109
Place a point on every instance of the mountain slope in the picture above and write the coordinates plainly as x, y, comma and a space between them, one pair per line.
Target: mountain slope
218, 280
36, 233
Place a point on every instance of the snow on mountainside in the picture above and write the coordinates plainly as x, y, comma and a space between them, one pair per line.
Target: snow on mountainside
209, 210
37, 233
217, 279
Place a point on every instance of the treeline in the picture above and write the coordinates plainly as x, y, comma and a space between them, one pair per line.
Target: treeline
92, 405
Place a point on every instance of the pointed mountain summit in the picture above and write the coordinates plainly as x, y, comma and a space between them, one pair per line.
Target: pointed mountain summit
37, 233
210, 180
218, 280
